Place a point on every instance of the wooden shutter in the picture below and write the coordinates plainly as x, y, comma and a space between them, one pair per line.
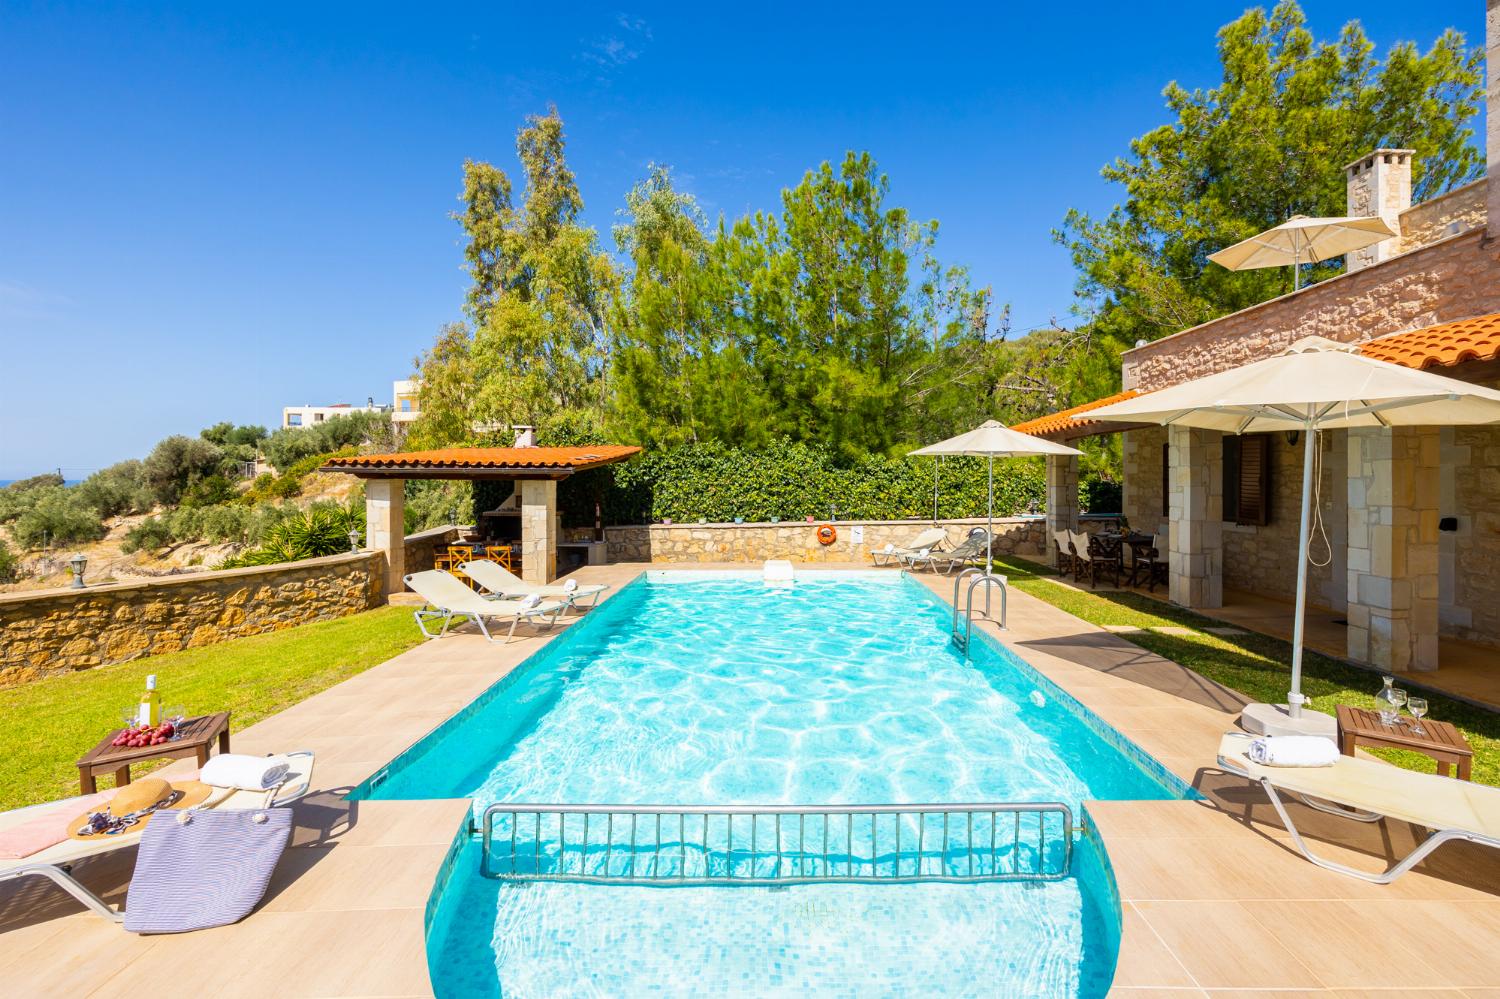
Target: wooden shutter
1255, 480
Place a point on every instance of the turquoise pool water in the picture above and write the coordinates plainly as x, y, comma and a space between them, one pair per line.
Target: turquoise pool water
840, 690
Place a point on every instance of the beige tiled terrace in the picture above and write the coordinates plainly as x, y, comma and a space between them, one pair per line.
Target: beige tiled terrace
1214, 902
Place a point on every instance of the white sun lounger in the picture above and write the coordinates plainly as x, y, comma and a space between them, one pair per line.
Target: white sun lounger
55, 861
1452, 809
451, 599
929, 539
501, 582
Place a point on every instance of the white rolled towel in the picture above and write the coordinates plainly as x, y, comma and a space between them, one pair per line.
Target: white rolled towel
246, 773
1293, 751
889, 547
925, 552
570, 586
530, 600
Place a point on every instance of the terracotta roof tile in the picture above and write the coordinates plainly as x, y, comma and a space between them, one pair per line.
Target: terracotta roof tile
1063, 420
1446, 344
486, 458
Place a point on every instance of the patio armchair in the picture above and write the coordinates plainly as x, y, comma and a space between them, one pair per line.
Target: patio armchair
1064, 551
1092, 556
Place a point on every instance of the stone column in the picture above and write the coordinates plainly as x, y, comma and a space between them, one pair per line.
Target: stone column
1195, 564
385, 527
1062, 499
1394, 488
538, 530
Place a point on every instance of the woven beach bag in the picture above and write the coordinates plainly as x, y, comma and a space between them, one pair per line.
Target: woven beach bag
203, 869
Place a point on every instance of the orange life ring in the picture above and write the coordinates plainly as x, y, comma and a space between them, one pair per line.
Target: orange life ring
827, 535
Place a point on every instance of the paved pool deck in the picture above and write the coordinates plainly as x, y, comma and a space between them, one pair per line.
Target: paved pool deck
1215, 903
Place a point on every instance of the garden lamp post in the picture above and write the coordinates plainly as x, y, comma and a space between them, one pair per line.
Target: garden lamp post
353, 539
78, 563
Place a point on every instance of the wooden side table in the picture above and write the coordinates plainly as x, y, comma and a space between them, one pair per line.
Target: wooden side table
1438, 739
197, 738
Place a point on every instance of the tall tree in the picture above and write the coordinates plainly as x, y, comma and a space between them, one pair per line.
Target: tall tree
539, 293
1266, 144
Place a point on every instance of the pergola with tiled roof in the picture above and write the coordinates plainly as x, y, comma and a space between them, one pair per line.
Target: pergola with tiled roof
482, 462
536, 471
1069, 424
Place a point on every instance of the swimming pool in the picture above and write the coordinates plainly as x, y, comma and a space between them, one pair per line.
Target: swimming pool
701, 689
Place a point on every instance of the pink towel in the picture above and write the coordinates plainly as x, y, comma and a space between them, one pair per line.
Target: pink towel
48, 828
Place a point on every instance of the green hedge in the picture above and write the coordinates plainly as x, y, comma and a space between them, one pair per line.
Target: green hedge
791, 481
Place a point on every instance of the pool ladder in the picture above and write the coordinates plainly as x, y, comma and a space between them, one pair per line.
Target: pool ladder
988, 581
777, 845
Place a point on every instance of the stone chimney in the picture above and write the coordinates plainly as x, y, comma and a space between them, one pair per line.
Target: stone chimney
1492, 114
525, 436
1378, 183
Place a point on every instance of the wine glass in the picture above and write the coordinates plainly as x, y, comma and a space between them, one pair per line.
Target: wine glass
1418, 707
175, 714
128, 715
1398, 699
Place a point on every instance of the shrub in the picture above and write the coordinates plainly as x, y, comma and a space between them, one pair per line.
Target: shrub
228, 522
175, 464
57, 516
10, 563
322, 530
118, 489
434, 503
1100, 495
289, 445
790, 480
22, 495
208, 491
149, 535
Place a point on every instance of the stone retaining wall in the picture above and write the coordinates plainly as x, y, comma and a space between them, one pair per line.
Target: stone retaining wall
50, 632
798, 541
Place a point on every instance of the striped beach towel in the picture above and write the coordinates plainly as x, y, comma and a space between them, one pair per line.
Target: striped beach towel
209, 870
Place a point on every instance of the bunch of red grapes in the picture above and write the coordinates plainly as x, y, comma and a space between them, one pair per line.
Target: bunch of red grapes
144, 735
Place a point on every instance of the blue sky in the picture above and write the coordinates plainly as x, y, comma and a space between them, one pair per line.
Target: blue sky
209, 213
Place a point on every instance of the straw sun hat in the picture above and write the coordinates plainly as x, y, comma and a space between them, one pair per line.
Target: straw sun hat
147, 795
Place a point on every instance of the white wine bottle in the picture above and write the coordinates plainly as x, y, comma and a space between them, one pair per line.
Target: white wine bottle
150, 709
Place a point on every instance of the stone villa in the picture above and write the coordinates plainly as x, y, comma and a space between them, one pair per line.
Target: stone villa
1411, 515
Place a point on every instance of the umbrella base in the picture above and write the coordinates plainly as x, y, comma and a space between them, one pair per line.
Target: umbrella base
1273, 719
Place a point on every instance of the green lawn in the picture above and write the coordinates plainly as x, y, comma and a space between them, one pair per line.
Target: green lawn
53, 722
1256, 665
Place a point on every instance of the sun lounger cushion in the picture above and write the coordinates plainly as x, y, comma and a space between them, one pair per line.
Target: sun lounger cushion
209, 870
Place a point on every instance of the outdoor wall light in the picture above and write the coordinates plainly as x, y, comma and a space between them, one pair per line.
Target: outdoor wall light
78, 563
353, 540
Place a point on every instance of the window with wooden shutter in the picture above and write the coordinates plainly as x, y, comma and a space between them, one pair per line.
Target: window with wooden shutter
1253, 492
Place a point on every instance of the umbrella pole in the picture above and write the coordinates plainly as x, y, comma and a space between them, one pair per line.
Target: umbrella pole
989, 542
1294, 698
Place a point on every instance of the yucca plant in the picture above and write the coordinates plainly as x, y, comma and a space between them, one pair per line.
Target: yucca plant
323, 529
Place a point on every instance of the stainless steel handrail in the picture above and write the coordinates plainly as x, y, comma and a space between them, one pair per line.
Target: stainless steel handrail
786, 844
987, 580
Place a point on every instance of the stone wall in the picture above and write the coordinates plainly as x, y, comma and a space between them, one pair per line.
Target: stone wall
1430, 221
423, 547
1454, 278
1143, 501
753, 543
1262, 558
51, 632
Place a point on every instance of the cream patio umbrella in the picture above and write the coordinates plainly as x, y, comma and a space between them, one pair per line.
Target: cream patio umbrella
1315, 385
992, 440
1303, 240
